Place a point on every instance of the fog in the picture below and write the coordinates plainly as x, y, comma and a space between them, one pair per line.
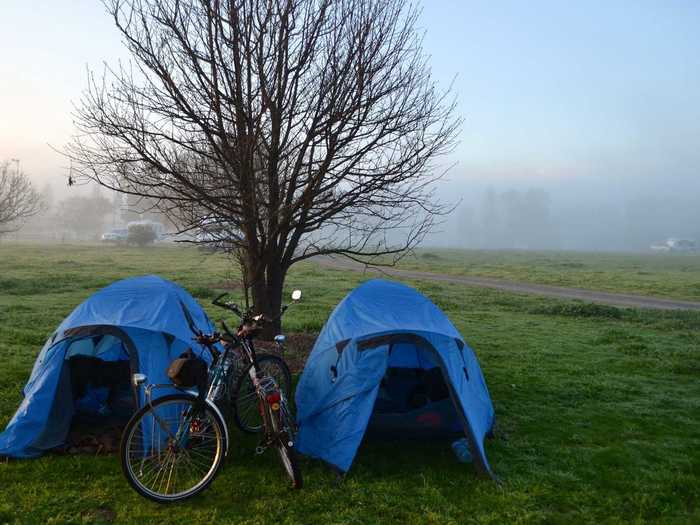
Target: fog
530, 211
581, 120
578, 213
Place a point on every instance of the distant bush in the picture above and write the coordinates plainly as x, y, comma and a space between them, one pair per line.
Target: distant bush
430, 256
581, 310
570, 265
202, 292
141, 234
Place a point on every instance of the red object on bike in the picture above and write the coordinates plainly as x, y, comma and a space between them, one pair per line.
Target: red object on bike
274, 397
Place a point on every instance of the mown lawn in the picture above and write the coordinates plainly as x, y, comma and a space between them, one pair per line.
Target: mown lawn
660, 274
597, 408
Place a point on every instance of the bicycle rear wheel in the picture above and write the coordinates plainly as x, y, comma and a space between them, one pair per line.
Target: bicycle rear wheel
245, 401
172, 449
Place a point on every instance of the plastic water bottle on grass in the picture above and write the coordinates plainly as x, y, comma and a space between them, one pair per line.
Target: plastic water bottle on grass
461, 450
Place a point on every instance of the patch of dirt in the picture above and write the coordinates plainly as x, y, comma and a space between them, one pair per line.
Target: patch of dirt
101, 441
93, 436
297, 349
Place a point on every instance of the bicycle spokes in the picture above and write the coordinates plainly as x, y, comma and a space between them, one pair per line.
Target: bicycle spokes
170, 459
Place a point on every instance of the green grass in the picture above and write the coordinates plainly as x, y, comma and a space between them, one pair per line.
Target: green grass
665, 275
597, 411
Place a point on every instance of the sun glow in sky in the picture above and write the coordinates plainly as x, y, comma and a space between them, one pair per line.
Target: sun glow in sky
548, 89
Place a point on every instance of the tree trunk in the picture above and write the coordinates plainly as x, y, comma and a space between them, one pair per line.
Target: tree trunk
267, 282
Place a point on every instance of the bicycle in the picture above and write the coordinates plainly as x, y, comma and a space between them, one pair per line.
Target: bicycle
173, 447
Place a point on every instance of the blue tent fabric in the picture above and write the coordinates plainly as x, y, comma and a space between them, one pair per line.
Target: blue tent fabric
147, 319
378, 326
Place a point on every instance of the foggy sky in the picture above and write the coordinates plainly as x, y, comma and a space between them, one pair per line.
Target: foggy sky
595, 104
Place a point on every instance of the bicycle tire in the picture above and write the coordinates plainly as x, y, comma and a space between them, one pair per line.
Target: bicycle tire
244, 402
134, 426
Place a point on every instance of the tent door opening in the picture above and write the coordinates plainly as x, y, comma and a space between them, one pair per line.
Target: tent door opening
413, 396
94, 397
99, 370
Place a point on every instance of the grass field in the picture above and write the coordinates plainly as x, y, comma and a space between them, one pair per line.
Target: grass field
661, 274
597, 407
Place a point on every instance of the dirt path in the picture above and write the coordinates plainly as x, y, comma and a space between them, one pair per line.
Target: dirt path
614, 299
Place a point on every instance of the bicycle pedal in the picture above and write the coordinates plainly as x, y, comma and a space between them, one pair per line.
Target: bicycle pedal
259, 450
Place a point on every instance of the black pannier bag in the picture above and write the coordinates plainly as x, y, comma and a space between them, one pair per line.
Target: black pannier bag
189, 371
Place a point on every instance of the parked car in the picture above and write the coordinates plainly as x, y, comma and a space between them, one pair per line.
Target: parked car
676, 245
116, 235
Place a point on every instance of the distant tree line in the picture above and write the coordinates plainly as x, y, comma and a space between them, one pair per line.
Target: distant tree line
512, 219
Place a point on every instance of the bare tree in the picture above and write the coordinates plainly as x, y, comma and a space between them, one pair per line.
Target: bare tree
18, 198
292, 128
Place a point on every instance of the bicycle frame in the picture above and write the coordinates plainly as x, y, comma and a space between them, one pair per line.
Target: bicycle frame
187, 421
149, 401
218, 374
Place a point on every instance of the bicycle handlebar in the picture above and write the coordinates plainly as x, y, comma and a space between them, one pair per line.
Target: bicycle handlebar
247, 317
233, 307
227, 330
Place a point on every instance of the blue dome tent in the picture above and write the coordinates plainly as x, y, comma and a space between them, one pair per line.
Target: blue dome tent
389, 360
145, 320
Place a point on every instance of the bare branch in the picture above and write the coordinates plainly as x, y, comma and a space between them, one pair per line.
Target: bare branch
18, 199
277, 129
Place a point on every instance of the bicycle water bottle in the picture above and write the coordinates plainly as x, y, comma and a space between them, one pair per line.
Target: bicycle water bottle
461, 450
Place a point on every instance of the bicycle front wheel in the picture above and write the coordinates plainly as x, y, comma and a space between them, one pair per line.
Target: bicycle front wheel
172, 449
245, 403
